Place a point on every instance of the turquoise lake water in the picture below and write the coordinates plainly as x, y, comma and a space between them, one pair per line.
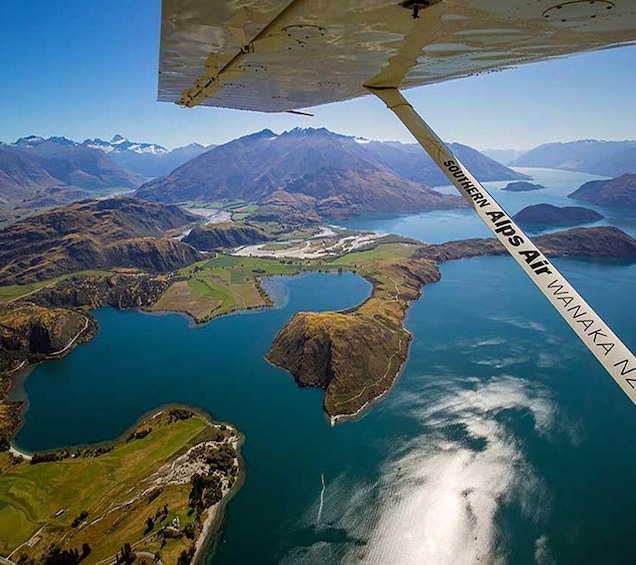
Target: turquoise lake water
503, 441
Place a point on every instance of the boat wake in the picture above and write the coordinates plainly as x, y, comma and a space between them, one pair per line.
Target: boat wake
322, 499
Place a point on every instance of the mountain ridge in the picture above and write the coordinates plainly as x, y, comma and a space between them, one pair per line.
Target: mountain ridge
315, 171
94, 234
37, 172
616, 192
611, 158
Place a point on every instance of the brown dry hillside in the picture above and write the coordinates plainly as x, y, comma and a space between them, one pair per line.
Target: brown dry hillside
94, 234
356, 355
602, 241
224, 235
620, 191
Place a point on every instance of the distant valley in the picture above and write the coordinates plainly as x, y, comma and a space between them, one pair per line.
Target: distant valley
38, 173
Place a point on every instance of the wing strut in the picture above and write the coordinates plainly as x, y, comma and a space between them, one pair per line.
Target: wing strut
587, 324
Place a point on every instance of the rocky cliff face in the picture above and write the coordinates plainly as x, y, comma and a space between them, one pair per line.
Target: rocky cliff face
29, 331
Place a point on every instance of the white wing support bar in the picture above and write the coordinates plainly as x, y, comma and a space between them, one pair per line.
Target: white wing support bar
617, 359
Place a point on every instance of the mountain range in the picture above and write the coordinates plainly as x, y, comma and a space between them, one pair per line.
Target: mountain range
410, 161
607, 158
37, 172
146, 159
305, 173
316, 173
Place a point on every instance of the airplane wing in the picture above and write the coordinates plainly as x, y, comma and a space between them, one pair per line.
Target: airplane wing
281, 55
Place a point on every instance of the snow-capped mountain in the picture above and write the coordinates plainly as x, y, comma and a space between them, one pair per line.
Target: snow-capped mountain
36, 141
36, 172
147, 159
120, 143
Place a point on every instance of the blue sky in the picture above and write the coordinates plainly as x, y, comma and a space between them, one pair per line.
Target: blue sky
89, 69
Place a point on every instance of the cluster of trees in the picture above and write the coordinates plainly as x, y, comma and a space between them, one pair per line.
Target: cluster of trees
65, 454
161, 514
221, 458
154, 493
51, 456
205, 491
189, 530
186, 557
179, 414
138, 434
96, 451
126, 555
79, 519
59, 556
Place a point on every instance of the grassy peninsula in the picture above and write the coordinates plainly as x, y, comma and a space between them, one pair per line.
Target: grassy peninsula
157, 489
222, 285
356, 355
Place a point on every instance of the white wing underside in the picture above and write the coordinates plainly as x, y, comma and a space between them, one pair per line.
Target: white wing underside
274, 56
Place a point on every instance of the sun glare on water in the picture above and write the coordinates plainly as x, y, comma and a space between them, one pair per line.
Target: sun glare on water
439, 494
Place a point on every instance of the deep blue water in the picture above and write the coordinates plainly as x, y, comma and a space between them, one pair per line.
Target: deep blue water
503, 441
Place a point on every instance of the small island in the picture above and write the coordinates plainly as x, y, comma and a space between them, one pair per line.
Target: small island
161, 489
547, 214
522, 186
